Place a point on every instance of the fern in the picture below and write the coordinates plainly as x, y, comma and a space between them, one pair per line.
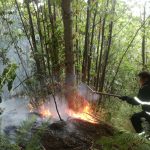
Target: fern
24, 131
27, 138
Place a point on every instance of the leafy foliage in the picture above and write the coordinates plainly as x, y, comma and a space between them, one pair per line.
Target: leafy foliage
8, 76
119, 113
27, 137
123, 141
6, 145
44, 33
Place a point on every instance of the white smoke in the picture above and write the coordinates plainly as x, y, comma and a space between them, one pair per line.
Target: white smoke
87, 93
16, 110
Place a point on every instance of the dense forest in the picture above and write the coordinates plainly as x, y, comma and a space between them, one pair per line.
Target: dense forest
71, 59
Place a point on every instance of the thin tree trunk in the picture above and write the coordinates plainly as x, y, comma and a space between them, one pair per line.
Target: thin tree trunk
125, 52
38, 20
77, 43
44, 17
34, 49
24, 27
102, 80
32, 33
86, 44
55, 52
102, 46
143, 43
101, 52
91, 44
98, 52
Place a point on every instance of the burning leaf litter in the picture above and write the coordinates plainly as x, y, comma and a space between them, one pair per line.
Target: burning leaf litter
76, 106
85, 113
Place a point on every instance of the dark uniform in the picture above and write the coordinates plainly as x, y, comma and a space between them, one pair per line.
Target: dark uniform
144, 96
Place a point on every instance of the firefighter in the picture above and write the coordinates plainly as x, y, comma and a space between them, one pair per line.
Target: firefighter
142, 99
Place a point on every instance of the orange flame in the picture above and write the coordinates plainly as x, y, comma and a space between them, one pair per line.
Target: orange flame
45, 112
78, 108
84, 114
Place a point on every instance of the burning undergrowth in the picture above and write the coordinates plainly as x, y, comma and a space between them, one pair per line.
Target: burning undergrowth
79, 105
78, 127
47, 110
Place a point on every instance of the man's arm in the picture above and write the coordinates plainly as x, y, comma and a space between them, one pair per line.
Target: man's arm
141, 102
129, 100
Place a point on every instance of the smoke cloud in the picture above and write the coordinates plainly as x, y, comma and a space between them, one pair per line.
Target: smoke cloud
16, 110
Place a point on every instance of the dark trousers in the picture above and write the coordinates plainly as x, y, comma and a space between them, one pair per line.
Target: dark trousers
137, 122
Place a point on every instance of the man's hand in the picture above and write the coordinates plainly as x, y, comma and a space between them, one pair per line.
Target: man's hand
124, 98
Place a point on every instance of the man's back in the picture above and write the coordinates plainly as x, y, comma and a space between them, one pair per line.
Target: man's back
144, 92
144, 95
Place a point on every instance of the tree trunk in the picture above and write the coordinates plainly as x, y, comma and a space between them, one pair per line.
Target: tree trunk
86, 44
102, 46
98, 52
77, 44
32, 34
45, 38
55, 52
143, 43
69, 54
39, 28
102, 80
91, 44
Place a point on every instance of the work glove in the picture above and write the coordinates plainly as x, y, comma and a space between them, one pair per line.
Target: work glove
124, 98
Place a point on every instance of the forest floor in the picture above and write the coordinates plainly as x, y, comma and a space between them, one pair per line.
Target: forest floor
74, 134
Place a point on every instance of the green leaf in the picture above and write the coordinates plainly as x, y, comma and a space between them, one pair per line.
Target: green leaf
8, 76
